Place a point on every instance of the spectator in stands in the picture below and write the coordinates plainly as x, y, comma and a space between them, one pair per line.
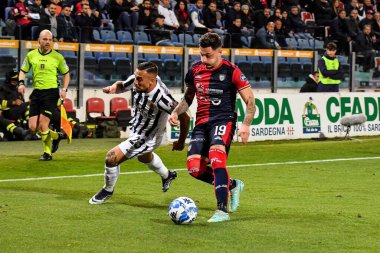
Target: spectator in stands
232, 13
247, 20
171, 21
146, 15
87, 20
78, 6
296, 23
280, 34
197, 21
58, 5
123, 14
367, 5
210, 18
353, 24
311, 84
182, 14
340, 33
36, 7
49, 21
261, 18
336, 5
23, 19
355, 5
265, 37
234, 40
365, 45
330, 70
159, 34
276, 15
286, 24
368, 20
376, 30
288, 4
323, 13
69, 32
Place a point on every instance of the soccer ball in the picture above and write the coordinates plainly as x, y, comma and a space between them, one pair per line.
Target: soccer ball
183, 210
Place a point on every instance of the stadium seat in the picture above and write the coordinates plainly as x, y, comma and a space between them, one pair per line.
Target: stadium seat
306, 66
175, 41
292, 43
171, 69
303, 44
142, 38
244, 65
186, 39
283, 67
308, 18
316, 44
108, 36
5, 51
90, 68
295, 69
34, 32
7, 63
106, 67
96, 35
69, 107
124, 37
119, 108
95, 111
123, 67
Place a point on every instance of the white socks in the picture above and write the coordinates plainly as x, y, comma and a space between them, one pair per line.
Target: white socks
110, 177
157, 166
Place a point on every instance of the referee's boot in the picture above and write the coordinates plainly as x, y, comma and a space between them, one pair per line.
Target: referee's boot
45, 157
55, 143
167, 181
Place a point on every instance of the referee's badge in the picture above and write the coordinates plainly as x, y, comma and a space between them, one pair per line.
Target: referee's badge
222, 77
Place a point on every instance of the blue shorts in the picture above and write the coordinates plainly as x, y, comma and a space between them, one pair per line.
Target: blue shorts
211, 133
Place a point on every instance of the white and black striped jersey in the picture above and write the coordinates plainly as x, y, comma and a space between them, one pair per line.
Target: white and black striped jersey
150, 110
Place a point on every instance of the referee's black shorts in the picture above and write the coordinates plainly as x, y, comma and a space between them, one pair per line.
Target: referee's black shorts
43, 102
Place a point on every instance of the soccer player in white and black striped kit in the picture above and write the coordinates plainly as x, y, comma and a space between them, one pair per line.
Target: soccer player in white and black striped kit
153, 104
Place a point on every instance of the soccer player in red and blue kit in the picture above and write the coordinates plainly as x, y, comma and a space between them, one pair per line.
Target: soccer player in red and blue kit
215, 82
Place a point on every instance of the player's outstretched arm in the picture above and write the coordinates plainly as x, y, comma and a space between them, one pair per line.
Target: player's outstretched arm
184, 126
249, 99
114, 88
183, 106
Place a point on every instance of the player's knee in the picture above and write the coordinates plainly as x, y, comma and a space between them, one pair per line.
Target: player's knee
217, 158
193, 166
111, 159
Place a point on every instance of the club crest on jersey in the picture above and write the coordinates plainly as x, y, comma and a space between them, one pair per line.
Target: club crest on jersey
243, 78
222, 77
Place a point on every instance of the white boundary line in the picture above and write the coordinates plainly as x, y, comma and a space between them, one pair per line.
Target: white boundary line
229, 166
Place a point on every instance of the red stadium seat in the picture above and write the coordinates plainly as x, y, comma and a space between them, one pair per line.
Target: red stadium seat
69, 107
119, 108
95, 111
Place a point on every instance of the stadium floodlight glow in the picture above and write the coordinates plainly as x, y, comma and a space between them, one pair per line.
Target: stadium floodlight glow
352, 120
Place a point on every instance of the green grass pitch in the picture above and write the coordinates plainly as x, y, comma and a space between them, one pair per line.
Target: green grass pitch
300, 196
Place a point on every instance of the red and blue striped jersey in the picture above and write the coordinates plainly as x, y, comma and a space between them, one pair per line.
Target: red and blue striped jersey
216, 90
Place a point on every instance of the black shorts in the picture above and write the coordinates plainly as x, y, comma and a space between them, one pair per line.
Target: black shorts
43, 102
211, 133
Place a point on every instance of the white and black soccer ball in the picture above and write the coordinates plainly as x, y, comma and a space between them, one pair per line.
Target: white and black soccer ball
182, 210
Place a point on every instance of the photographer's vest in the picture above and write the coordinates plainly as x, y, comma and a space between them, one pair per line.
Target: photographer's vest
330, 65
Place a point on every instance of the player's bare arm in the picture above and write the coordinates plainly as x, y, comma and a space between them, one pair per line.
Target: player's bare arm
21, 79
249, 99
116, 87
184, 120
66, 81
183, 106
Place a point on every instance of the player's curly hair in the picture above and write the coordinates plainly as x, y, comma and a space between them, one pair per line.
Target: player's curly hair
149, 67
212, 40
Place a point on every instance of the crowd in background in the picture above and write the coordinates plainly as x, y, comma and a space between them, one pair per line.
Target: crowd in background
352, 24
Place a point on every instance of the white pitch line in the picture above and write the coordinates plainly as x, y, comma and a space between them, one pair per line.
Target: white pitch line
229, 166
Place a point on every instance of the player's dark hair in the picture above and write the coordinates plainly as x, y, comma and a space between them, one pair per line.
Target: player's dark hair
149, 67
210, 40
331, 46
